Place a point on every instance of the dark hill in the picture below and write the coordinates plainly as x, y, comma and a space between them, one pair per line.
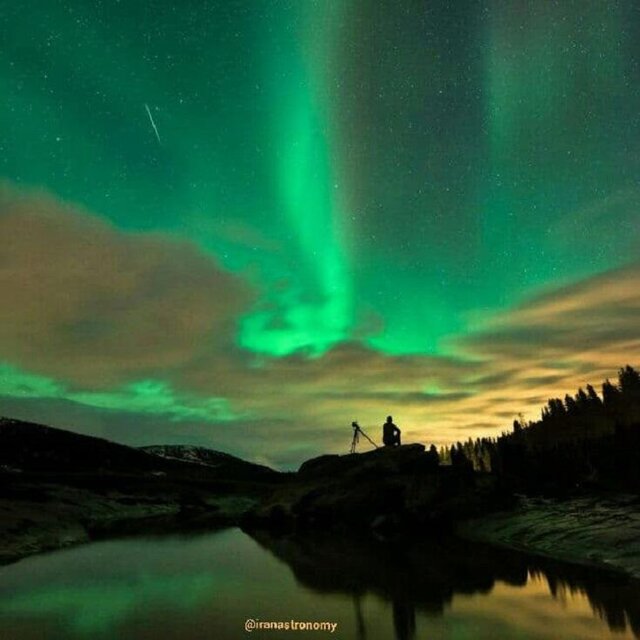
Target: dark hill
36, 448
224, 463
27, 446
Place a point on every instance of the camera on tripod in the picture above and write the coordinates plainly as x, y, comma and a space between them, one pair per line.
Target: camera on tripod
357, 432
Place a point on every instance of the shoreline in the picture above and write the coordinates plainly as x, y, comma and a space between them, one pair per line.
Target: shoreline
600, 531
50, 517
502, 530
159, 525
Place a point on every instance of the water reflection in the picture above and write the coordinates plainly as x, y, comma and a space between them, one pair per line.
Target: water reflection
204, 586
424, 576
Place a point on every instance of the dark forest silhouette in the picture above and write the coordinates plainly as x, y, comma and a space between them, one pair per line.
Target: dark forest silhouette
586, 440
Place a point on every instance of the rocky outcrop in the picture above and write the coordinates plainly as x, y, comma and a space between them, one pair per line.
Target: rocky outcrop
385, 489
599, 529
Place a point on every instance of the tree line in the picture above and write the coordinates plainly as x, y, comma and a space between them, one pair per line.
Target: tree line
588, 439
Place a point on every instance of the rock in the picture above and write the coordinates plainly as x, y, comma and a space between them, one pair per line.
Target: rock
391, 487
383, 460
600, 529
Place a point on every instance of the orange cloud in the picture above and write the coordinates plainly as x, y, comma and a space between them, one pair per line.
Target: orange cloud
95, 306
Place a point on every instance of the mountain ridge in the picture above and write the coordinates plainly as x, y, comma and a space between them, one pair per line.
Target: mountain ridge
31, 446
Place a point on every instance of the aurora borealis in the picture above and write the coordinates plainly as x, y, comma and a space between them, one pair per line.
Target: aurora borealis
355, 208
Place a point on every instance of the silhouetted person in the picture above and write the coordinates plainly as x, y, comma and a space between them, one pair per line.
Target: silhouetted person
390, 433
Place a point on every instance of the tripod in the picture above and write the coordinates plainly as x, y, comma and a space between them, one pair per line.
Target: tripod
357, 432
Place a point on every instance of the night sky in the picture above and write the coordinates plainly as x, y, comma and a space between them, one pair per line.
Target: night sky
245, 224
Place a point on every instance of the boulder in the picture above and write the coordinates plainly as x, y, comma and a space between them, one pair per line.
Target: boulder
390, 487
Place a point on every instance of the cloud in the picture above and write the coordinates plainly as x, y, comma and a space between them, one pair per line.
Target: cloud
554, 342
616, 213
144, 397
132, 324
595, 318
95, 306
512, 363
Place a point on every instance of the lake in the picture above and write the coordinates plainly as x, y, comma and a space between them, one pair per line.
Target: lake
208, 585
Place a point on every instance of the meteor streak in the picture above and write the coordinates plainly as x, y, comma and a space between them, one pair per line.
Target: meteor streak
153, 124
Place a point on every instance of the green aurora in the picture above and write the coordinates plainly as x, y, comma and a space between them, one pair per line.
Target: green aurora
390, 180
